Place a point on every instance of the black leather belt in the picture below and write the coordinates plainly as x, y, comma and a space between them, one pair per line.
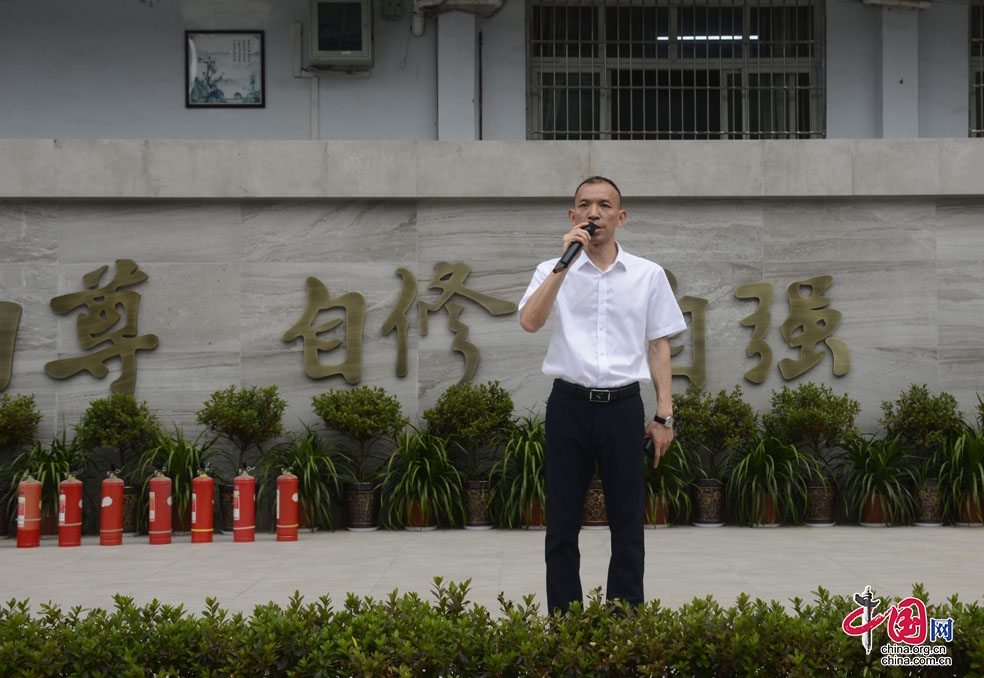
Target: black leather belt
598, 395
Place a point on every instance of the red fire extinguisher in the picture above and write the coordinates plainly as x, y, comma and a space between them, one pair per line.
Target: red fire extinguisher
159, 523
243, 507
70, 512
28, 513
287, 507
111, 512
202, 509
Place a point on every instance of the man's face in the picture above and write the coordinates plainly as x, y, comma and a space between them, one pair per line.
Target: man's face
598, 202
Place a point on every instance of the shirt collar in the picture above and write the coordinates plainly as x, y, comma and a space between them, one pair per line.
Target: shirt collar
619, 260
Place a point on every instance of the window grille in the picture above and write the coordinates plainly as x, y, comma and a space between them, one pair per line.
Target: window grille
977, 68
656, 69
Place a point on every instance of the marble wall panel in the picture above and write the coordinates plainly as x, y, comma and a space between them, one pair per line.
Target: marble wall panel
961, 305
97, 168
178, 382
960, 229
681, 168
26, 170
910, 307
505, 169
886, 372
192, 169
716, 282
850, 229
192, 307
960, 166
145, 231
283, 168
510, 235
32, 285
28, 378
703, 230
28, 232
900, 167
370, 232
371, 169
808, 167
960, 373
885, 304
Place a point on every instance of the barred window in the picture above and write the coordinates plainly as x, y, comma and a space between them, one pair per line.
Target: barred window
662, 69
977, 68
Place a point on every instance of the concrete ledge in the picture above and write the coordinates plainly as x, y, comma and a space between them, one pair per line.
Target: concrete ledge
128, 169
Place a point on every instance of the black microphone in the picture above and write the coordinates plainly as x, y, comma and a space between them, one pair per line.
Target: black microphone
647, 447
571, 253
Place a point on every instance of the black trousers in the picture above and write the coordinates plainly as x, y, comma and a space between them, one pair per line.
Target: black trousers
581, 434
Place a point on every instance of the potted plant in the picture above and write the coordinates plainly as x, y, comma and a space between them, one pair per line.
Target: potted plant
422, 485
668, 486
768, 482
922, 420
248, 418
713, 427
878, 478
113, 433
962, 478
817, 422
366, 416
318, 465
19, 420
49, 464
474, 419
181, 460
518, 479
926, 423
594, 516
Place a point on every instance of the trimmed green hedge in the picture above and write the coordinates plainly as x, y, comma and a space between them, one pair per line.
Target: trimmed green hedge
406, 636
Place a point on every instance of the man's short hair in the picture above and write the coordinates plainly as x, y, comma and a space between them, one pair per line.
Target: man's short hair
597, 179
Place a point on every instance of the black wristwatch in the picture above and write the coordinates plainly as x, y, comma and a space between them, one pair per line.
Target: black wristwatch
668, 422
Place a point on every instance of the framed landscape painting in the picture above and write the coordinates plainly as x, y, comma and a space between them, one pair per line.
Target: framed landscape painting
224, 69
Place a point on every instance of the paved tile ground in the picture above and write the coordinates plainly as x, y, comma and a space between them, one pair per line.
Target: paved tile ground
682, 563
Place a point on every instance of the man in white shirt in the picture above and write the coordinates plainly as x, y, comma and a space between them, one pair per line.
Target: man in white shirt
613, 313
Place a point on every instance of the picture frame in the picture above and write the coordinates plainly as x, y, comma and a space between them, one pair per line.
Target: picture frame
224, 69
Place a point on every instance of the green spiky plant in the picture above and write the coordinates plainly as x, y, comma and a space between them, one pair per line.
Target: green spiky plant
668, 483
421, 475
962, 476
181, 459
519, 479
318, 465
878, 470
772, 469
50, 463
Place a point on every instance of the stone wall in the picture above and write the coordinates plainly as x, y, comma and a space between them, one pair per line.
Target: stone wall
228, 234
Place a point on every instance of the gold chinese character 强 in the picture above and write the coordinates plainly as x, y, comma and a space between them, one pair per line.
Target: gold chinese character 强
809, 323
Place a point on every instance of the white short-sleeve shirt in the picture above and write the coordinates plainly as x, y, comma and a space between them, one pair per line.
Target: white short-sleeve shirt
604, 321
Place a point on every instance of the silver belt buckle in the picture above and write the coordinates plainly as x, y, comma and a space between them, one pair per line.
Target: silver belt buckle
599, 396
